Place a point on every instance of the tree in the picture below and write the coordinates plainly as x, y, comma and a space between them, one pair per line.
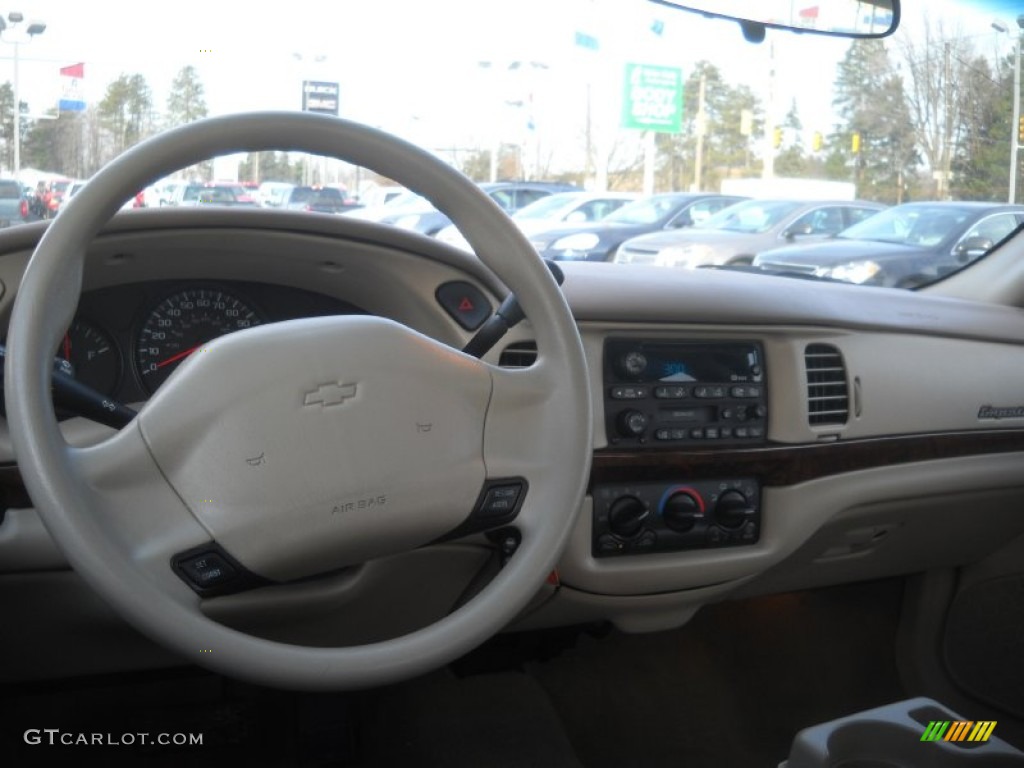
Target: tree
791, 160
273, 166
58, 145
875, 140
126, 111
186, 101
981, 157
725, 146
937, 61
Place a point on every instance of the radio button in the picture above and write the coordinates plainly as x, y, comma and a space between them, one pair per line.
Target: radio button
740, 432
709, 392
629, 393
711, 433
670, 393
696, 434
663, 434
755, 431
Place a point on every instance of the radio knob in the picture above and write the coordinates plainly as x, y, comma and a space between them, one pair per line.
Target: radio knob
626, 516
682, 510
733, 509
631, 423
632, 364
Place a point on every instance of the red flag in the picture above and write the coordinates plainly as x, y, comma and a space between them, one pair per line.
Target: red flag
74, 70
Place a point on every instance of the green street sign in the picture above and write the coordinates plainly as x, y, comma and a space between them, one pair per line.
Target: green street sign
653, 98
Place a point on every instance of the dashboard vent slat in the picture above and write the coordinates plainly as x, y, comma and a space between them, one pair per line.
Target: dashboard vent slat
828, 396
520, 354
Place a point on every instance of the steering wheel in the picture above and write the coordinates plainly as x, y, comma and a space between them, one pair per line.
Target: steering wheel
372, 438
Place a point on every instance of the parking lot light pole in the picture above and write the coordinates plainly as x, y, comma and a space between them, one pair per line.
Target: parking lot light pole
1015, 125
14, 18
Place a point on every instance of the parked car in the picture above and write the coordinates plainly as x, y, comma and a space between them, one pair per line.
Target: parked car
561, 208
905, 246
318, 200
598, 241
737, 235
272, 194
14, 206
420, 215
212, 193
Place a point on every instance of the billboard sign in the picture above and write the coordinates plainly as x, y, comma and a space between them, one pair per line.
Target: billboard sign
653, 98
320, 97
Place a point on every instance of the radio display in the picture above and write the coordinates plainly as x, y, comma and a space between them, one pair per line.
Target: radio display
718, 363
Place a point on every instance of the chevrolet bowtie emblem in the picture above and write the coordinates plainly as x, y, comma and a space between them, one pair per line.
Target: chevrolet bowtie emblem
332, 393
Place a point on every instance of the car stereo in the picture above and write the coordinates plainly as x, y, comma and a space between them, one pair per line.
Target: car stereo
659, 393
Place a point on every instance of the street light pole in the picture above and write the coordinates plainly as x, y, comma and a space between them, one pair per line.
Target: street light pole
35, 28
1015, 125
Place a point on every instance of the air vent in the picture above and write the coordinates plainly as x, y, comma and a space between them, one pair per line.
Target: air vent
828, 398
521, 354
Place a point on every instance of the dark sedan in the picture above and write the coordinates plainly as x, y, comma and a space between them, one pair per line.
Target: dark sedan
904, 247
599, 240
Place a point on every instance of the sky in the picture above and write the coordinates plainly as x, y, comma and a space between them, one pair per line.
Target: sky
414, 67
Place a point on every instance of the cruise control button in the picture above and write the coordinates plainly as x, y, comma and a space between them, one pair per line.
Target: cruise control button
500, 500
207, 570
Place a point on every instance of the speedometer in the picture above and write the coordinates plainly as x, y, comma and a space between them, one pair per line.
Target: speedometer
182, 323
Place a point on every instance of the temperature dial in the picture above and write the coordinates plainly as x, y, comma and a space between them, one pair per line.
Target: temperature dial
682, 510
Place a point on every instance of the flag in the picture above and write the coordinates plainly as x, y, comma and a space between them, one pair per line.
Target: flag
72, 97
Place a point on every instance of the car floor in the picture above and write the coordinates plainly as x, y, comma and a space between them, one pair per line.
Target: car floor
731, 688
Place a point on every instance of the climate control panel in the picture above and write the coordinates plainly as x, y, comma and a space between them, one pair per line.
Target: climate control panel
639, 518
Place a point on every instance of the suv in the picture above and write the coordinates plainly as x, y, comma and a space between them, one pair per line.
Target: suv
14, 208
213, 193
318, 200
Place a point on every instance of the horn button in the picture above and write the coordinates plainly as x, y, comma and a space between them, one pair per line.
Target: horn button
308, 445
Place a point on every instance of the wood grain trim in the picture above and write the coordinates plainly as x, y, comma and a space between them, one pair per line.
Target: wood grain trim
778, 465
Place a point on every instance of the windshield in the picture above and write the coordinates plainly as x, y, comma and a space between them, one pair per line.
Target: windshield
752, 216
911, 225
604, 95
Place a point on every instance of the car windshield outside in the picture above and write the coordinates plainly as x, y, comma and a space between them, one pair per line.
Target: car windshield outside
911, 225
606, 96
647, 211
751, 216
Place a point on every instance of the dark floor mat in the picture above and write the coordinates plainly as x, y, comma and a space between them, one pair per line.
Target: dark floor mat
734, 686
485, 721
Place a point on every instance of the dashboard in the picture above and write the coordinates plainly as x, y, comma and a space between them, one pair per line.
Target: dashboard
774, 441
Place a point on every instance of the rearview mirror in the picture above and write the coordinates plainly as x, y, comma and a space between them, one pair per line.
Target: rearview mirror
973, 247
840, 18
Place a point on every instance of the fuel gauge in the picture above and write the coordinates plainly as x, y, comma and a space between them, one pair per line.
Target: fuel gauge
93, 356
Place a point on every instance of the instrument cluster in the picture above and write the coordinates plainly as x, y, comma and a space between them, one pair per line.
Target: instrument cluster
126, 340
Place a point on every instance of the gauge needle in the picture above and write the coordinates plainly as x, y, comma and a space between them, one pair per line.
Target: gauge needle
177, 357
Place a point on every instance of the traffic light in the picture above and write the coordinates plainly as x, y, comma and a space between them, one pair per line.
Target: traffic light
777, 138
1020, 131
855, 143
817, 141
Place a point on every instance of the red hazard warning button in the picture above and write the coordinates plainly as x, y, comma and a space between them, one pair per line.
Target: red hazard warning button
465, 303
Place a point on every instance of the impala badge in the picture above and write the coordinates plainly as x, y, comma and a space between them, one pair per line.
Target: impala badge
331, 393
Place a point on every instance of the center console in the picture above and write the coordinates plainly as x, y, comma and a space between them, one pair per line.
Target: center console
680, 394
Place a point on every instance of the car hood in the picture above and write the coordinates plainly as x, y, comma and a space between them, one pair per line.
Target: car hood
838, 251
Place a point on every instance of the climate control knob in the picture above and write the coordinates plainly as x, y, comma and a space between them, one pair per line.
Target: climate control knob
682, 510
631, 423
632, 364
732, 509
626, 516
